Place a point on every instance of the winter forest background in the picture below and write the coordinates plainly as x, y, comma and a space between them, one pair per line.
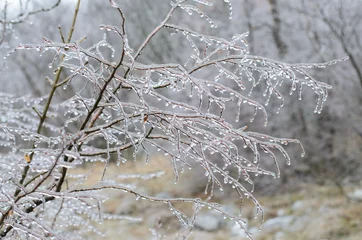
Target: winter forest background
326, 181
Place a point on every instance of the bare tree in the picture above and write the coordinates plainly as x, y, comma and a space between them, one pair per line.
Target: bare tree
38, 198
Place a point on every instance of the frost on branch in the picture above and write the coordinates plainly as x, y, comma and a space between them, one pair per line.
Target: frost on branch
18, 11
123, 103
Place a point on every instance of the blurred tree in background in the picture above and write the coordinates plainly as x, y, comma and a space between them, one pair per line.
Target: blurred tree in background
174, 79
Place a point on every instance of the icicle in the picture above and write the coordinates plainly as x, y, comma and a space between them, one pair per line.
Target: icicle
238, 111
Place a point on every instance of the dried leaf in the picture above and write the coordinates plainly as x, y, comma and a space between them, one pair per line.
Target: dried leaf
27, 158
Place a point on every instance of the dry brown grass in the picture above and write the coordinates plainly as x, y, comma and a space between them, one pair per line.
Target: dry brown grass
327, 214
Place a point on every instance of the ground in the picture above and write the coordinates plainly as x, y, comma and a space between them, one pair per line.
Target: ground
312, 213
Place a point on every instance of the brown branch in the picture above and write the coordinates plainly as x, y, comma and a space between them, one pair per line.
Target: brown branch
42, 119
